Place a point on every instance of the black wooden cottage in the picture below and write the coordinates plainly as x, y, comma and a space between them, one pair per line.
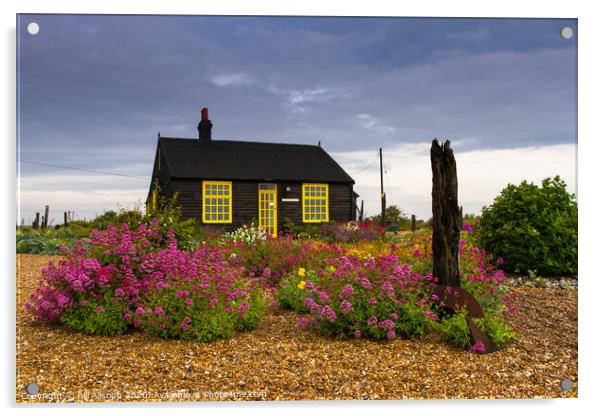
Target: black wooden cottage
225, 184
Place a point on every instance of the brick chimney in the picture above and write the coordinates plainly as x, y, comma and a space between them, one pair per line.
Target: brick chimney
205, 126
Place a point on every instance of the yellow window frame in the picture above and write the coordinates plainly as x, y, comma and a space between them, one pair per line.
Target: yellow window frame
314, 195
211, 191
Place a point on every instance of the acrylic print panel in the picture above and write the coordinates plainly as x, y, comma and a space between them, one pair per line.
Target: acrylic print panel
142, 273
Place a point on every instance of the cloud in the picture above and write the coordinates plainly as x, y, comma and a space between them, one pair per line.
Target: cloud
482, 174
232, 80
309, 95
367, 121
354, 84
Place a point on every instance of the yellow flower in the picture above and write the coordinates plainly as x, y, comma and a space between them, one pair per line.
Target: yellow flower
301, 285
301, 272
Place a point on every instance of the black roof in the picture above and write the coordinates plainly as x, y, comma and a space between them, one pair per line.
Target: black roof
238, 160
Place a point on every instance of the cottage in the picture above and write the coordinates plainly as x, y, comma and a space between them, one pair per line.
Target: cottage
226, 184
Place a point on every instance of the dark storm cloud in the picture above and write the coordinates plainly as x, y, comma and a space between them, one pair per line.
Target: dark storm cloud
95, 90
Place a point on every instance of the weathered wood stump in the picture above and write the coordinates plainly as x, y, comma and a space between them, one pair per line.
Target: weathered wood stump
447, 225
447, 220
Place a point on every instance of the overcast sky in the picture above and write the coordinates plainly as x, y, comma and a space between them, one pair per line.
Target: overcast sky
94, 91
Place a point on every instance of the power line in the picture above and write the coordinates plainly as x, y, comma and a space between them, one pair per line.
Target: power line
369, 165
84, 170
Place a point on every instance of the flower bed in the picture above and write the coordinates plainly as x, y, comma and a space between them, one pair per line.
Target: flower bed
122, 279
382, 291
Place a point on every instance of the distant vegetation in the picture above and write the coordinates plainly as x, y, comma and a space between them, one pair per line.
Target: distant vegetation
168, 214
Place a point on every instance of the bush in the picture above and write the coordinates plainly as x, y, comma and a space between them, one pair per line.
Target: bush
246, 234
122, 278
500, 333
291, 294
454, 330
97, 318
378, 299
351, 231
533, 228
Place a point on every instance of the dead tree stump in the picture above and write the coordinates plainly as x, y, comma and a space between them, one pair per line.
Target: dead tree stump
447, 225
447, 219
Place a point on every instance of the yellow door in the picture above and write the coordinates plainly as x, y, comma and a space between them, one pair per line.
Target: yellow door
268, 212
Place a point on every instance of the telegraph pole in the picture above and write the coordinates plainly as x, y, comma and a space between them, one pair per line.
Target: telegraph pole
382, 191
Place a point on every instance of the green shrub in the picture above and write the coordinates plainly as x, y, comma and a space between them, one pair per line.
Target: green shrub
167, 316
302, 231
533, 228
169, 216
253, 315
500, 333
291, 294
97, 318
454, 330
411, 321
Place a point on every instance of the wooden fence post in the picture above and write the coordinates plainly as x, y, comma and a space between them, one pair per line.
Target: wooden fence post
45, 221
65, 219
36, 222
413, 223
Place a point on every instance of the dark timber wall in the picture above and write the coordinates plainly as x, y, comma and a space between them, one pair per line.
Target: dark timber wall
245, 202
160, 174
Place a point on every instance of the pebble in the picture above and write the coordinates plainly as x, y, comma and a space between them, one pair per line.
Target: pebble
548, 282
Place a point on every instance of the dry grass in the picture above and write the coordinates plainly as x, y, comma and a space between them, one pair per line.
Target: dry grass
280, 362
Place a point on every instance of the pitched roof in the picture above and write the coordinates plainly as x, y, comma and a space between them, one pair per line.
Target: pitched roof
225, 159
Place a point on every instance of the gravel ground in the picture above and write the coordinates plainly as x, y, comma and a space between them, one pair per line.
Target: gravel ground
278, 361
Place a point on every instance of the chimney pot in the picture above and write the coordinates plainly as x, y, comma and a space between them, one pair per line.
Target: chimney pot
205, 126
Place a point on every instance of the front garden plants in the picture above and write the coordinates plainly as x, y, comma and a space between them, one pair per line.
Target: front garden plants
367, 285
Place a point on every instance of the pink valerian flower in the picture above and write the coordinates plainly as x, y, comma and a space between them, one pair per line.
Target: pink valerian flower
478, 348
303, 322
140, 310
159, 310
372, 301
391, 334
267, 272
386, 324
434, 298
328, 314
323, 296
346, 307
188, 301
394, 316
243, 307
100, 309
373, 320
387, 289
127, 315
357, 334
364, 282
182, 293
312, 305
119, 292
468, 228
428, 314
500, 261
347, 292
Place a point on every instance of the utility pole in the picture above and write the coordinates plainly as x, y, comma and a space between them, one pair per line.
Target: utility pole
382, 191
